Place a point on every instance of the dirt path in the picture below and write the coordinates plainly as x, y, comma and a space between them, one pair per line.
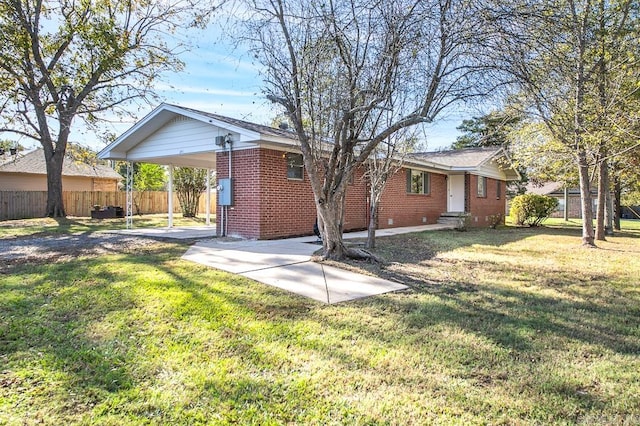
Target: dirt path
55, 248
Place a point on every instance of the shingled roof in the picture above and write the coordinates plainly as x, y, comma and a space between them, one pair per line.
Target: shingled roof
258, 128
33, 162
468, 158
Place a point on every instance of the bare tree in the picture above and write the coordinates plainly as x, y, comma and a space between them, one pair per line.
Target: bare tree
552, 49
335, 66
66, 59
384, 162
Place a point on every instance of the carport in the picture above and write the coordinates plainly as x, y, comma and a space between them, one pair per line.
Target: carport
176, 136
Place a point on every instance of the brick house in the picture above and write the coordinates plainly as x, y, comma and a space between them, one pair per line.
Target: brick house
269, 196
571, 198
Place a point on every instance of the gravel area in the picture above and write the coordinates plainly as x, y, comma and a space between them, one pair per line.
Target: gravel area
57, 248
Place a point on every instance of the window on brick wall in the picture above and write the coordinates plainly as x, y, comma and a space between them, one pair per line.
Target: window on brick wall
295, 166
418, 182
498, 189
482, 186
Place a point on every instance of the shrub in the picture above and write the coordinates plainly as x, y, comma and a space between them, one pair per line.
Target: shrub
531, 209
495, 220
464, 221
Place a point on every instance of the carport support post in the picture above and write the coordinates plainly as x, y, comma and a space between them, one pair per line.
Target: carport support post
129, 194
208, 197
170, 200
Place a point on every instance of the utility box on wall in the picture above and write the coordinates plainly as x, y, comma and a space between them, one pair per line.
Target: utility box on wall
225, 192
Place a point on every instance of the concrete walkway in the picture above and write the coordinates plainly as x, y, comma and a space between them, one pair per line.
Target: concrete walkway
286, 264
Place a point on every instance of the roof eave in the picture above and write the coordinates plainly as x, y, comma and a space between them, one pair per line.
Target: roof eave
134, 136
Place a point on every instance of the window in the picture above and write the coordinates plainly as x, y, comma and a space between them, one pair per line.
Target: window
295, 166
418, 182
482, 186
498, 189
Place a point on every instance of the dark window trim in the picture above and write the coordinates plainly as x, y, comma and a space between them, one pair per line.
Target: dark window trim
426, 182
482, 194
293, 166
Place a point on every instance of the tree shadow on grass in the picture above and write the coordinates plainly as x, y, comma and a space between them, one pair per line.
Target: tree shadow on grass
65, 312
45, 332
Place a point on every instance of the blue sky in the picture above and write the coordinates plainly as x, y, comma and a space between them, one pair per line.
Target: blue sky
219, 80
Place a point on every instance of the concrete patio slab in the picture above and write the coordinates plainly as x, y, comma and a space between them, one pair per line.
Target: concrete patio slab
178, 232
286, 264
240, 258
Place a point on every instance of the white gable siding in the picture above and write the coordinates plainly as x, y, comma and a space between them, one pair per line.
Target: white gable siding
492, 170
180, 136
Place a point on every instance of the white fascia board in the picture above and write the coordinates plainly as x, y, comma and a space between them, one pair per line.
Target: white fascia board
426, 166
112, 155
280, 141
130, 132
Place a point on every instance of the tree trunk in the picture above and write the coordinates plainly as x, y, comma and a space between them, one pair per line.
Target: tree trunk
602, 171
332, 241
371, 230
55, 204
617, 210
608, 207
585, 200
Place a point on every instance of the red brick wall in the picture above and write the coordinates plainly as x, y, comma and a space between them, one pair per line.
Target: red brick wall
244, 215
409, 209
268, 205
287, 204
481, 208
356, 215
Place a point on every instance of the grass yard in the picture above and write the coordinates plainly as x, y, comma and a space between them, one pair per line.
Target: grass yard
508, 326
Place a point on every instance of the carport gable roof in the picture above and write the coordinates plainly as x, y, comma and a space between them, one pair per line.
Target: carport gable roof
244, 133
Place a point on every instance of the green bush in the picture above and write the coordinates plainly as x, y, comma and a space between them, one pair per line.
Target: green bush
531, 209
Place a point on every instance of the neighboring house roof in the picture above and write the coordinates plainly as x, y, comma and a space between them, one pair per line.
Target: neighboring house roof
545, 188
33, 162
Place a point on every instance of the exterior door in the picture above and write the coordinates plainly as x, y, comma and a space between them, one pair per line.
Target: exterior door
456, 193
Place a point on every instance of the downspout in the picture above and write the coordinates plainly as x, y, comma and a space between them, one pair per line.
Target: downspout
230, 142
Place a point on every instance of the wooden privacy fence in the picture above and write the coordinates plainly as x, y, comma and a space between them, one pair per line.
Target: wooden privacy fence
30, 204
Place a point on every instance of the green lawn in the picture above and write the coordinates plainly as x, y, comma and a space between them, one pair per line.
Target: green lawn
507, 326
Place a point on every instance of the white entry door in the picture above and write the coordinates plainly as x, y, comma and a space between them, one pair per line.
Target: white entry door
456, 193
